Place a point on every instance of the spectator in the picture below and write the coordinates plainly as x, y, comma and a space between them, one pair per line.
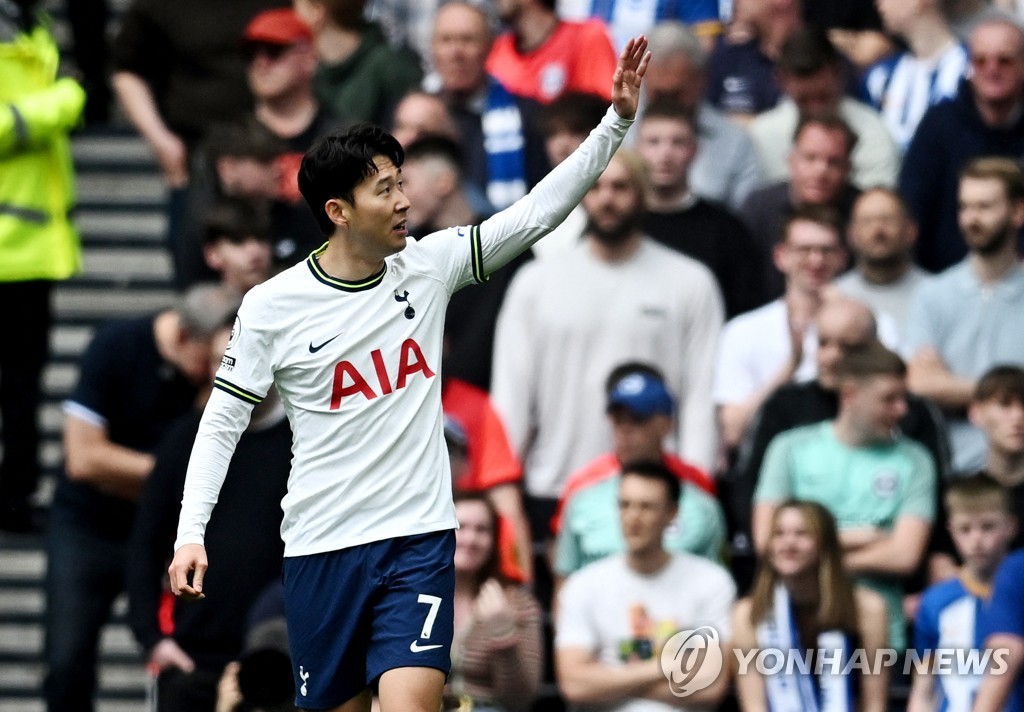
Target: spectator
280, 67
208, 634
882, 236
819, 169
504, 153
433, 178
261, 679
626, 20
982, 524
237, 243
965, 15
38, 242
490, 466
727, 169
903, 85
983, 120
136, 378
568, 320
668, 141
408, 23
541, 55
971, 317
419, 114
497, 654
775, 344
741, 69
178, 70
615, 616
811, 75
360, 77
842, 325
1003, 691
640, 409
803, 600
879, 485
565, 122
853, 26
997, 409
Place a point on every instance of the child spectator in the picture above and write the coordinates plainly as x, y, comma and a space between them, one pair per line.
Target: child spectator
982, 524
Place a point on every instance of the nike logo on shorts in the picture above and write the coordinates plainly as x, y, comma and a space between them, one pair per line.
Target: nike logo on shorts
314, 349
417, 648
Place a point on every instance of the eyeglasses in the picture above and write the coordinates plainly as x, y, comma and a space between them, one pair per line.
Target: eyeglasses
999, 60
273, 52
804, 251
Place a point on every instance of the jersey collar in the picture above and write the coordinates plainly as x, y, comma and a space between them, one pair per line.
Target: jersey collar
321, 276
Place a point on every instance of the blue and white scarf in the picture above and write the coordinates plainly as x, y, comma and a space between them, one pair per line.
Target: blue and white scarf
796, 688
505, 146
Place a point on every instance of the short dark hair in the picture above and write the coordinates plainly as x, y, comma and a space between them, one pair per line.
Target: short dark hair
829, 121
806, 52
1006, 170
870, 360
434, 146
657, 471
627, 368
670, 108
819, 215
341, 160
236, 219
1004, 383
977, 492
574, 111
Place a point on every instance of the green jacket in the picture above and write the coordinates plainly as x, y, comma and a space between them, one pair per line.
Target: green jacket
37, 193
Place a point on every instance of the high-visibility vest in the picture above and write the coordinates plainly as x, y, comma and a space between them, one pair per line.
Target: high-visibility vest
37, 190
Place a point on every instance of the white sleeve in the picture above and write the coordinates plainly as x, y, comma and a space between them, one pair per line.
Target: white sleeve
574, 628
224, 419
514, 229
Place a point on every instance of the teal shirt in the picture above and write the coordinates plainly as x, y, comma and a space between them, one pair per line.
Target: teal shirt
869, 486
590, 526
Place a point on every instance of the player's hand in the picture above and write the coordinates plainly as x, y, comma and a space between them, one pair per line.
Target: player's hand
167, 653
629, 72
494, 611
189, 559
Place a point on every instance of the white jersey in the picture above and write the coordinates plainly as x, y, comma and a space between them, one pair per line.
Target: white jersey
357, 367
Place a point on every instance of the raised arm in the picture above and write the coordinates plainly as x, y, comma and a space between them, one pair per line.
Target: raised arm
514, 229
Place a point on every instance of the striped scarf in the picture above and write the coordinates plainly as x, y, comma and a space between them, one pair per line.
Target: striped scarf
505, 146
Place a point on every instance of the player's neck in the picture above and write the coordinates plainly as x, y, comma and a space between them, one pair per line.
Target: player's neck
346, 263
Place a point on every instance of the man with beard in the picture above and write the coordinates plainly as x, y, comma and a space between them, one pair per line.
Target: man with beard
971, 316
882, 236
568, 320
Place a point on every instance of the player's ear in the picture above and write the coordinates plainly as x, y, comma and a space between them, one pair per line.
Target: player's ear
337, 210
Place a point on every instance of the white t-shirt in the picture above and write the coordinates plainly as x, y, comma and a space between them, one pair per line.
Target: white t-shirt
755, 346
617, 613
357, 368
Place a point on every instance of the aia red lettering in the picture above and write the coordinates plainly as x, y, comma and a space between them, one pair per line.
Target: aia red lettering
348, 381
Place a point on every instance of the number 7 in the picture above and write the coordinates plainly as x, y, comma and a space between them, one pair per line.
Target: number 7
434, 602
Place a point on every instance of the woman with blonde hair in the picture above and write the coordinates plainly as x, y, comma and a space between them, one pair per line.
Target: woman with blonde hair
804, 605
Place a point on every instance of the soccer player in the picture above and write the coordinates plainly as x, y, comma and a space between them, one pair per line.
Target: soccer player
352, 341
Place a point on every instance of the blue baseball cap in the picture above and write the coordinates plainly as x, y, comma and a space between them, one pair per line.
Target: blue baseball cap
641, 394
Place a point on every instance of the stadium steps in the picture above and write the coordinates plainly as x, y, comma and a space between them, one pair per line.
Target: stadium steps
127, 272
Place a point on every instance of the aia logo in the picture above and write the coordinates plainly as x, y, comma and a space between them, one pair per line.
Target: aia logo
692, 660
348, 381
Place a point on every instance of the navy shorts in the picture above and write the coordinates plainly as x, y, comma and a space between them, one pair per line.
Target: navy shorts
356, 613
